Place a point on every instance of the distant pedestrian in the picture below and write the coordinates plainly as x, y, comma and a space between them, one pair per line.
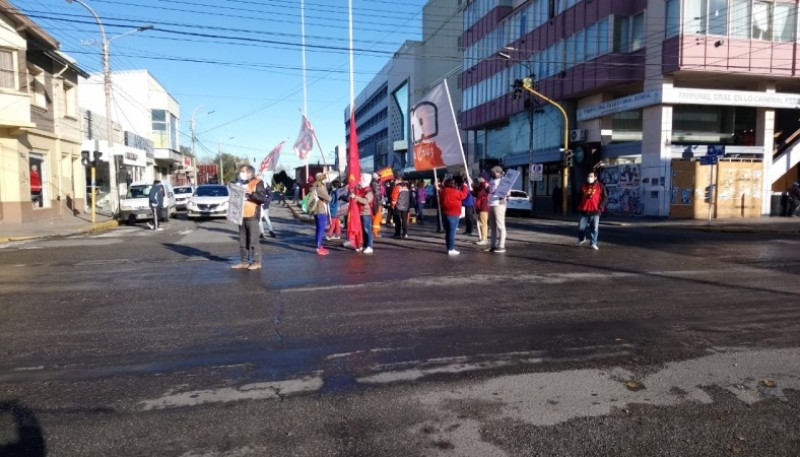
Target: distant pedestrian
793, 200
497, 212
254, 197
364, 197
264, 220
557, 196
156, 201
378, 203
422, 196
282, 194
593, 202
318, 207
296, 193
480, 192
469, 213
451, 197
400, 204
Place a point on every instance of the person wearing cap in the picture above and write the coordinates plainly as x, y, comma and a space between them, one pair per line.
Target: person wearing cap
319, 209
497, 212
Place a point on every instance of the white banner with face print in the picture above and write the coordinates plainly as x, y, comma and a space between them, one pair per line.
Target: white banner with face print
434, 131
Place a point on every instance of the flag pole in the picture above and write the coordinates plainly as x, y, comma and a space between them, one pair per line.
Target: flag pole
458, 130
303, 52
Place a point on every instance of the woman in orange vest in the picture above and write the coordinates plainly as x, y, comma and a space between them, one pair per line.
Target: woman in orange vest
255, 194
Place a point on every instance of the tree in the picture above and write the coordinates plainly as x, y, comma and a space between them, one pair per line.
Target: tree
186, 151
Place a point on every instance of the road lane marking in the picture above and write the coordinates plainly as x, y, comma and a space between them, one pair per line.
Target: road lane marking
258, 391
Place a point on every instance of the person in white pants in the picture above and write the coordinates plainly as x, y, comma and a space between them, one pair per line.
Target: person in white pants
497, 212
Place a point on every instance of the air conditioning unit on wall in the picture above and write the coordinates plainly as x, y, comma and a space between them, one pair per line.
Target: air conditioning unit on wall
576, 136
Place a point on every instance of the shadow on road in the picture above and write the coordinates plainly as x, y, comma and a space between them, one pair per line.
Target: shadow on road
29, 440
189, 251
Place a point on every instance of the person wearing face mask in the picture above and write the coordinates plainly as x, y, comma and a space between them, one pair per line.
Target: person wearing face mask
255, 195
593, 202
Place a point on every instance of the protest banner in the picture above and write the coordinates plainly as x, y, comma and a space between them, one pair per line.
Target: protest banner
235, 204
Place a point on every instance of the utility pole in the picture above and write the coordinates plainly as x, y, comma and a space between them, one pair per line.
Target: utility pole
107, 90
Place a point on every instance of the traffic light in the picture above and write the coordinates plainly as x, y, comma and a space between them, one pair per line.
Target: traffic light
97, 155
85, 158
88, 161
570, 158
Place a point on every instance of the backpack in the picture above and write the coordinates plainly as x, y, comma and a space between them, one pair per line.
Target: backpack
310, 201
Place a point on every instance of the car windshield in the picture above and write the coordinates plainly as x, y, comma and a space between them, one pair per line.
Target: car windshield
211, 191
519, 194
138, 192
183, 190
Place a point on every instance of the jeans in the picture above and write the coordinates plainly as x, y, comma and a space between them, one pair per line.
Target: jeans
322, 222
451, 227
366, 222
249, 249
591, 222
155, 211
264, 219
400, 222
497, 221
420, 212
469, 218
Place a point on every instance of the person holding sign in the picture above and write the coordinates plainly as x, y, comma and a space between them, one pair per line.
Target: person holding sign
255, 195
499, 189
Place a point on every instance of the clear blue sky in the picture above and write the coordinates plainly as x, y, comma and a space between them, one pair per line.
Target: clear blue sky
246, 66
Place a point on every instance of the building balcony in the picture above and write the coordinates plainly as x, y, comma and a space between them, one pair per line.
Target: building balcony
711, 53
168, 155
16, 111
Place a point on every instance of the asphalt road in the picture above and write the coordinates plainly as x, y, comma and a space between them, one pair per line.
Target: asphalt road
663, 343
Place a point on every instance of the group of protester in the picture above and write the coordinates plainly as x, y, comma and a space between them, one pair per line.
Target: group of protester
478, 202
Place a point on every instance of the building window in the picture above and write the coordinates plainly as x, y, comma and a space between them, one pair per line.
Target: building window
7, 70
718, 17
637, 32
37, 87
621, 34
785, 22
173, 132
591, 42
674, 18
160, 136
37, 171
762, 21
741, 11
70, 99
694, 17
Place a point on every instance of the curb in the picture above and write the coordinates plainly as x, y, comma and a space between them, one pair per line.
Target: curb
91, 229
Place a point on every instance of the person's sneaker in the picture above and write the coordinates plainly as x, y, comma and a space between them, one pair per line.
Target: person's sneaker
481, 242
499, 250
359, 250
594, 246
337, 237
348, 245
453, 252
323, 251
368, 251
150, 225
405, 237
240, 266
580, 243
272, 234
327, 238
159, 229
254, 266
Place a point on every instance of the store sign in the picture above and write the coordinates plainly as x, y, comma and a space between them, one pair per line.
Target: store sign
688, 96
620, 105
131, 157
537, 172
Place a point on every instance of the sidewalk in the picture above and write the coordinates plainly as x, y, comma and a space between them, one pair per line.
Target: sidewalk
742, 225
69, 225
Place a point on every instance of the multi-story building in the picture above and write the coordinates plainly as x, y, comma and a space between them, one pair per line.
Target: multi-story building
645, 83
148, 146
41, 175
382, 108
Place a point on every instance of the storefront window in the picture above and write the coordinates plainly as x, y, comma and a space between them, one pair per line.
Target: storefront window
693, 124
627, 126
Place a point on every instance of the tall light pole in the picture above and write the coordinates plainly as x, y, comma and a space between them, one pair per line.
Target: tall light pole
194, 139
112, 178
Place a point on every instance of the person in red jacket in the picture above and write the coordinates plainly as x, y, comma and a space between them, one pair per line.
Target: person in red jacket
480, 191
451, 197
593, 202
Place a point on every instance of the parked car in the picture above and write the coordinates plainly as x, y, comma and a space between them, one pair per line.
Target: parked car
135, 206
182, 195
519, 201
208, 200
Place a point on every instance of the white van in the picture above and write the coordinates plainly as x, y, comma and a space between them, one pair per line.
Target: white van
135, 206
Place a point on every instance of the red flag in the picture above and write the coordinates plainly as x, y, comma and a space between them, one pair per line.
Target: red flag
270, 162
354, 227
305, 140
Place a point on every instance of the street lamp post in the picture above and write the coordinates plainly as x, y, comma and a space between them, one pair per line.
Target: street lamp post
112, 178
194, 139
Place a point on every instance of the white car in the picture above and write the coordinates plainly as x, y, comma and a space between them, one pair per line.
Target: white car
182, 195
135, 207
519, 201
210, 200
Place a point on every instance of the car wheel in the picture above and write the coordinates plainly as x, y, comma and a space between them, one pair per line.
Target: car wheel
131, 220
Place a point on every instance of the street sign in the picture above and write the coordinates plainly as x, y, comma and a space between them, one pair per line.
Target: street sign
709, 160
716, 150
537, 172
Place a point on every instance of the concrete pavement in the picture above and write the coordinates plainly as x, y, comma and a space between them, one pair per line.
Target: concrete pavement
69, 225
